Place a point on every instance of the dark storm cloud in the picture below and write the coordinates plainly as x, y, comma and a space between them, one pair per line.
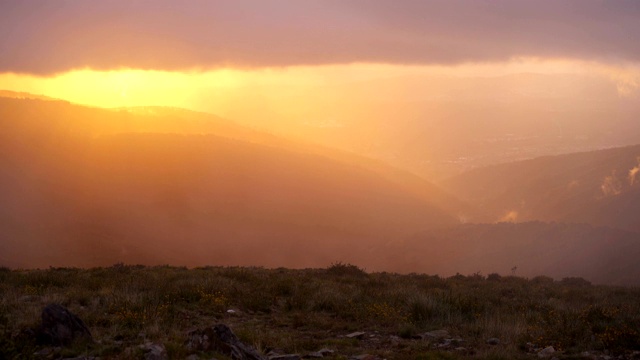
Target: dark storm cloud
45, 37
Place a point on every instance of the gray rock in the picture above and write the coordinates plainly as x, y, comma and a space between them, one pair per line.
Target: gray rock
154, 351
436, 334
220, 338
325, 351
546, 352
493, 341
357, 335
320, 353
192, 357
364, 357
61, 327
285, 357
314, 355
275, 352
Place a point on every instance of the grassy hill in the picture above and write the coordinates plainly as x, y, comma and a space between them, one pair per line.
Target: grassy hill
84, 186
598, 187
302, 311
601, 255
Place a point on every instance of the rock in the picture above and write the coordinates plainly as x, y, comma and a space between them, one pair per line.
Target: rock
44, 352
154, 351
275, 352
192, 357
220, 338
285, 357
364, 357
313, 355
436, 334
357, 335
546, 352
320, 353
325, 351
61, 327
493, 341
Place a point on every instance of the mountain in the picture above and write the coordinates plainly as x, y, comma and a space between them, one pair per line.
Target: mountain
598, 254
85, 186
598, 187
24, 95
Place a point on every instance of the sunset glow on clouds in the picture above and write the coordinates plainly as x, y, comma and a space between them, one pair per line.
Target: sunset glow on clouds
166, 47
303, 68
57, 36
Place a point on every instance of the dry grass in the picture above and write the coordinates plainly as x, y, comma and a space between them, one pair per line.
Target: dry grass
300, 311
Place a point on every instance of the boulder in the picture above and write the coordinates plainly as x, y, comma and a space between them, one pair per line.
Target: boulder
546, 352
154, 351
221, 339
60, 327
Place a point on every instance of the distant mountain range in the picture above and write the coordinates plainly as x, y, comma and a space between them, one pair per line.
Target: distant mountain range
83, 186
601, 255
598, 187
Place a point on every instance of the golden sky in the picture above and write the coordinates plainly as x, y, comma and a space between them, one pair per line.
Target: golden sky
208, 55
377, 77
296, 91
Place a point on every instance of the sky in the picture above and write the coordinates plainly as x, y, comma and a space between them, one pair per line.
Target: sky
57, 36
54, 38
295, 66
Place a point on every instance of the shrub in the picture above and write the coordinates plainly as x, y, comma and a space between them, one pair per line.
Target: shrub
341, 269
575, 281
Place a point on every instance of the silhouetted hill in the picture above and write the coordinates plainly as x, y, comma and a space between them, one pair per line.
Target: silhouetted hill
601, 255
600, 187
84, 186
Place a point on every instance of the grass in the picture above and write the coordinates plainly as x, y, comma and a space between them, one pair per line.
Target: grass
300, 311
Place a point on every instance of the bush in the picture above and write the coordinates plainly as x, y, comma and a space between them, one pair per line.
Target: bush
575, 281
341, 269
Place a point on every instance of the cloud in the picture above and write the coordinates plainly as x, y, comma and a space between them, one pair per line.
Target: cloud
45, 37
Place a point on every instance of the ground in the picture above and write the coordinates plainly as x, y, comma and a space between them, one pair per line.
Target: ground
288, 311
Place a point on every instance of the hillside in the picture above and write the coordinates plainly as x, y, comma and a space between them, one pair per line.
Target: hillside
341, 311
85, 186
598, 254
599, 187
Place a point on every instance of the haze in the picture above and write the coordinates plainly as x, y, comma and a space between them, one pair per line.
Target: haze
288, 133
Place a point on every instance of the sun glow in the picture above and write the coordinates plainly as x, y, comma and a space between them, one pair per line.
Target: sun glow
121, 88
280, 99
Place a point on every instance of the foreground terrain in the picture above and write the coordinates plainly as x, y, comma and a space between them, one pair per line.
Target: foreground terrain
131, 310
